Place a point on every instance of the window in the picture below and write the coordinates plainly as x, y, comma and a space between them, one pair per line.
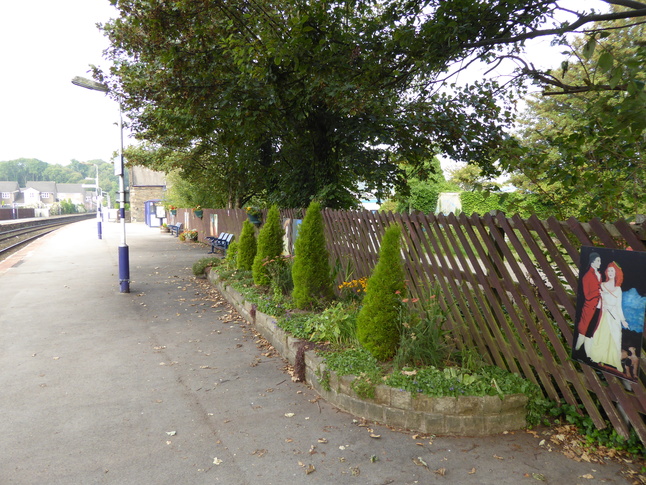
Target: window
6, 195
44, 195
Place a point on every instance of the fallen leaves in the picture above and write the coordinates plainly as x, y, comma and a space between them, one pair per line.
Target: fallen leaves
309, 468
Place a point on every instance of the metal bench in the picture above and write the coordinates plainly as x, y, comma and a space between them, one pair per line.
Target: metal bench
175, 229
220, 242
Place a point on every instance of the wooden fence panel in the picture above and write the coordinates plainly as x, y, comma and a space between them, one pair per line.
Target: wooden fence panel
508, 288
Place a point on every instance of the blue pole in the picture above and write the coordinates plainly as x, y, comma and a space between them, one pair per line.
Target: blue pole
124, 269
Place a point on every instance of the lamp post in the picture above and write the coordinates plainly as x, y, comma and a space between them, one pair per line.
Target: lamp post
124, 257
97, 198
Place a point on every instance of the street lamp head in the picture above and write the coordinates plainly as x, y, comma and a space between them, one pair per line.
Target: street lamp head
90, 84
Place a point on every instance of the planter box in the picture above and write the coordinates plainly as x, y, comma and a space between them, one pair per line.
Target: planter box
457, 416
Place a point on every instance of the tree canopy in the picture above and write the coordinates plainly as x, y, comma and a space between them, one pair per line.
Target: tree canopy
583, 148
312, 99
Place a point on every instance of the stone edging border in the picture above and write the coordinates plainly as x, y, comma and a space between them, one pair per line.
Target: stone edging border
457, 416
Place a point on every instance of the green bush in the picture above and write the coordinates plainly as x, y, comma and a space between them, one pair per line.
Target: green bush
423, 341
270, 246
336, 325
524, 205
199, 267
247, 246
311, 269
231, 258
377, 323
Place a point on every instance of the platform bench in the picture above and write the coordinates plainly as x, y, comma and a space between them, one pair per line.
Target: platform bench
220, 242
175, 229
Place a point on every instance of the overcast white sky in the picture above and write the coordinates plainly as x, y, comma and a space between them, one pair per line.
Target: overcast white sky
43, 45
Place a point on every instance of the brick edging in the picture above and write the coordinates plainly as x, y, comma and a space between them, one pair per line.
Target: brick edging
458, 416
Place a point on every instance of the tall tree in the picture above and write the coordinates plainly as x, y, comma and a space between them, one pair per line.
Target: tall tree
322, 96
584, 149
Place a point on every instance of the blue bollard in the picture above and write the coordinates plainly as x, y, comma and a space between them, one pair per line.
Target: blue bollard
124, 269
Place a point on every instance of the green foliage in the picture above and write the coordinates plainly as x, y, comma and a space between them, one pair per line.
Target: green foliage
455, 381
311, 268
340, 100
336, 325
425, 184
359, 363
377, 328
223, 185
200, 266
470, 177
482, 202
422, 340
583, 149
270, 246
231, 258
279, 272
67, 207
247, 246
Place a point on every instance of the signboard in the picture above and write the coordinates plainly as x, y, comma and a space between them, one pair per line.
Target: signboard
611, 304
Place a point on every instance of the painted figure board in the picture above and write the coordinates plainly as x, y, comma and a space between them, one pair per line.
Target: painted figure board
610, 311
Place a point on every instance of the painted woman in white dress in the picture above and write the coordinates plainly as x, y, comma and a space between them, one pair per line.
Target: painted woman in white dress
606, 345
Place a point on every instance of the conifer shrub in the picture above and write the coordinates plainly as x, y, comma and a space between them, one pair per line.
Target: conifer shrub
378, 320
231, 258
270, 246
247, 246
311, 269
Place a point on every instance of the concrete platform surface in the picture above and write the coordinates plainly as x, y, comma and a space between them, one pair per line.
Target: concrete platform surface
166, 385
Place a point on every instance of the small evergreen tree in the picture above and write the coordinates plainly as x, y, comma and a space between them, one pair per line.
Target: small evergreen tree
377, 322
270, 246
311, 269
231, 258
246, 246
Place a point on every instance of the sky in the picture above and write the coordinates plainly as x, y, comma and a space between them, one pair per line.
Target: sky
43, 45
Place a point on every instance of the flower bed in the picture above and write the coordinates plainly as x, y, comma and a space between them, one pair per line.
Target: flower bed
444, 415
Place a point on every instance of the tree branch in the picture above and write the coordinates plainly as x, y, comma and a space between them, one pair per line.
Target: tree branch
641, 12
627, 3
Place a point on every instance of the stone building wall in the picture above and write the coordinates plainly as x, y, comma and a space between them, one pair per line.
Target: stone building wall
138, 196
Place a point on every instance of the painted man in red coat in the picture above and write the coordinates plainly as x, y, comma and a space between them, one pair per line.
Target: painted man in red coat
589, 319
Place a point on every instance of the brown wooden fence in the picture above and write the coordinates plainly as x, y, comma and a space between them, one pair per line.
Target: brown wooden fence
509, 289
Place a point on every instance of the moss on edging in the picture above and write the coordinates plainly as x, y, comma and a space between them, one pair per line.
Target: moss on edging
459, 416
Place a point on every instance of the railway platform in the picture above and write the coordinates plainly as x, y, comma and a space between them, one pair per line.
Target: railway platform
166, 385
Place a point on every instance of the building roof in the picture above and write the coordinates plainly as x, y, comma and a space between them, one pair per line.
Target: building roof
70, 188
9, 187
42, 186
